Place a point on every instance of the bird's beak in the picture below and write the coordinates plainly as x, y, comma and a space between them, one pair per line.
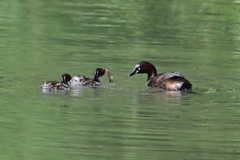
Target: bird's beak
106, 70
131, 74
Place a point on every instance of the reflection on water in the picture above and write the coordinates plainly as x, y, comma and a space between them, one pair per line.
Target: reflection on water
125, 120
169, 95
151, 95
54, 91
79, 91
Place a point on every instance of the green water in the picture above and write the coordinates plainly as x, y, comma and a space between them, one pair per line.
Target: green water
40, 40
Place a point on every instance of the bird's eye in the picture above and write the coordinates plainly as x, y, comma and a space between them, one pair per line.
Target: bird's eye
139, 69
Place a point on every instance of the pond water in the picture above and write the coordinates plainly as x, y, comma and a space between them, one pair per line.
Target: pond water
40, 40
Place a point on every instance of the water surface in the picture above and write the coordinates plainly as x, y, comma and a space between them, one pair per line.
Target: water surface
125, 120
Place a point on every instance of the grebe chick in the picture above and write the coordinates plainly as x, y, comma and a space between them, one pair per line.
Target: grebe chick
55, 85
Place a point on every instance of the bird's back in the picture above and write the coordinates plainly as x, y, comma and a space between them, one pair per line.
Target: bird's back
170, 81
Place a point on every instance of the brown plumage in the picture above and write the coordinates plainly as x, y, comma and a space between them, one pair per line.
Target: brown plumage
84, 81
55, 85
171, 81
